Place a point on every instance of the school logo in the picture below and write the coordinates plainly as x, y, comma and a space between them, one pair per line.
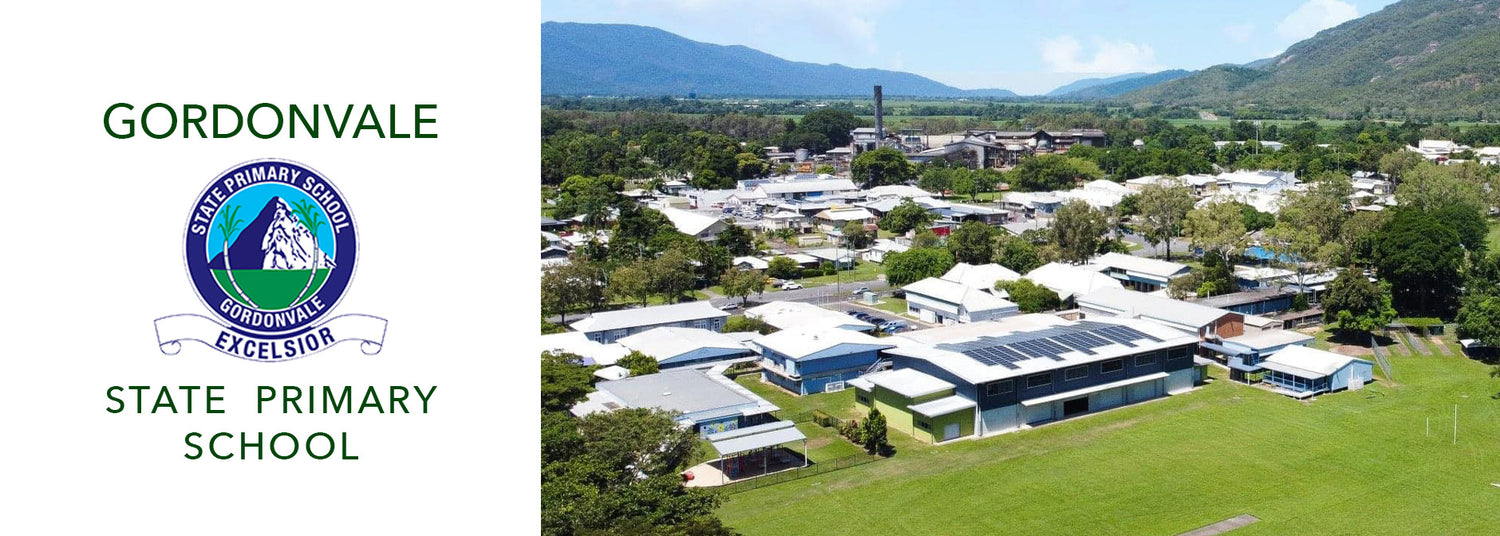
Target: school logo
270, 248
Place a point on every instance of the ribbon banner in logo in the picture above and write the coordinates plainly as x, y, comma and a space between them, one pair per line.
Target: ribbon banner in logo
368, 330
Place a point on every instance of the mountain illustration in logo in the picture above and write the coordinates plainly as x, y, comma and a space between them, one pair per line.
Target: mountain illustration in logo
274, 240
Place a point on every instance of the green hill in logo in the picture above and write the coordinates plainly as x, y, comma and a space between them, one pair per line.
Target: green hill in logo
275, 262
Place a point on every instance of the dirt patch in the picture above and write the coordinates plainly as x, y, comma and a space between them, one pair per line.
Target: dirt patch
1349, 349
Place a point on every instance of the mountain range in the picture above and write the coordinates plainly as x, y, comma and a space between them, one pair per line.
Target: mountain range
622, 59
1434, 57
274, 240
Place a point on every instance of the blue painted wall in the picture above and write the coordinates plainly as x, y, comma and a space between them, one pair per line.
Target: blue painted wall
702, 355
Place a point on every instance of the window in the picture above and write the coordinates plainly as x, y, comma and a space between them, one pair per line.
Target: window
924, 425
1075, 373
1113, 365
1177, 353
997, 388
1145, 360
1038, 380
862, 397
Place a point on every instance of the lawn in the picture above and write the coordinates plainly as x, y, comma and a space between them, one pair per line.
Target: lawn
271, 289
1493, 238
863, 271
1348, 463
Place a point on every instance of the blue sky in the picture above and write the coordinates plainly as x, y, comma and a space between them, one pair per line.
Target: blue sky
1027, 46
251, 200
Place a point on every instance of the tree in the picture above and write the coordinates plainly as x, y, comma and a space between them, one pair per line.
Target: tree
1030, 297
1163, 207
749, 166
925, 238
1352, 303
565, 381
1076, 229
590, 197
229, 222
1215, 277
570, 286
1254, 220
637, 230
736, 240
639, 364
742, 283
1016, 253
632, 282
1217, 228
906, 216
825, 169
783, 268
672, 275
855, 236
1479, 319
311, 219
916, 264
1053, 172
737, 324
882, 166
972, 243
1420, 258
832, 123
875, 433
937, 179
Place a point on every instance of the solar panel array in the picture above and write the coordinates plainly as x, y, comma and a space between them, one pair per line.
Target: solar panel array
1048, 343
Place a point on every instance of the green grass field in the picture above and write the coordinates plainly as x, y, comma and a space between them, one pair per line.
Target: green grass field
1349, 463
864, 271
271, 289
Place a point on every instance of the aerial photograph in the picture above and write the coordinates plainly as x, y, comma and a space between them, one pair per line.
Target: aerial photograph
1167, 267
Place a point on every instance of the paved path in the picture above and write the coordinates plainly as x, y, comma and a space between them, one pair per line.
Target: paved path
1442, 348
1415, 342
1222, 526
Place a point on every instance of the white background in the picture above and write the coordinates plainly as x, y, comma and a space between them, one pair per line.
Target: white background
92, 253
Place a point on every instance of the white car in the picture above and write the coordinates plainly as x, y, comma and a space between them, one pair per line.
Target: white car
790, 285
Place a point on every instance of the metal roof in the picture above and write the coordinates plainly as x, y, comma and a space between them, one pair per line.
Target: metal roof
1270, 338
971, 299
943, 406
1307, 362
668, 342
754, 437
1131, 304
981, 276
647, 316
800, 343
788, 315
684, 390
910, 383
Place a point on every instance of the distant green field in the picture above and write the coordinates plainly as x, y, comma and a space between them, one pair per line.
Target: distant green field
271, 289
1280, 123
1349, 463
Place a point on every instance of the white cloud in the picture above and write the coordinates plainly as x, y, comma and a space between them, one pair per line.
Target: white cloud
1064, 54
1315, 15
1239, 33
845, 24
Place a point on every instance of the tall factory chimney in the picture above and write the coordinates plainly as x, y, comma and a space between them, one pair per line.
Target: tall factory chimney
879, 118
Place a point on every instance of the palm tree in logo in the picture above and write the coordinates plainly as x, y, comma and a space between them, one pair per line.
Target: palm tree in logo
311, 219
229, 222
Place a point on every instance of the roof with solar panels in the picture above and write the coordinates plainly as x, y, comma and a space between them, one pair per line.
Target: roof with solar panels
1026, 344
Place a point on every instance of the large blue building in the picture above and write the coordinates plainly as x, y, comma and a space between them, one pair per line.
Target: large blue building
675, 347
807, 362
610, 326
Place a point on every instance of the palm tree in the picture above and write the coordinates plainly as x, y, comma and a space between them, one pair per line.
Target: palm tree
311, 219
229, 222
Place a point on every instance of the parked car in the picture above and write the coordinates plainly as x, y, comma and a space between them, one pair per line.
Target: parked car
898, 294
860, 290
729, 306
863, 316
853, 313
790, 285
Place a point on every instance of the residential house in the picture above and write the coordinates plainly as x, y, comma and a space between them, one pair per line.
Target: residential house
842, 258
941, 301
700, 226
1025, 371
1257, 181
707, 402
834, 219
750, 263
786, 220
808, 361
883, 247
610, 326
1099, 194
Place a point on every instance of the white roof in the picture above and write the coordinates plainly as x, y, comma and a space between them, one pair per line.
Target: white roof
1107, 186
980, 276
922, 344
1270, 338
910, 383
800, 258
1068, 280
943, 406
1258, 178
613, 372
666, 343
804, 186
1031, 198
896, 190
1307, 362
785, 215
1261, 273
800, 343
789, 315
1152, 267
970, 298
1131, 304
648, 316
846, 214
1267, 202
886, 244
689, 222
754, 437
574, 342
754, 262
830, 254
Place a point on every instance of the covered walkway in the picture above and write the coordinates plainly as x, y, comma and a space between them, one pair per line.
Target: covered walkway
750, 452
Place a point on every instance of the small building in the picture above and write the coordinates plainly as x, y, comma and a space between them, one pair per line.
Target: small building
1207, 323
1070, 281
699, 226
883, 247
842, 258
814, 361
1261, 301
750, 263
1243, 354
707, 402
790, 315
786, 220
592, 352
1140, 273
686, 347
834, 219
1257, 181
610, 326
916, 404
1301, 372
551, 225
941, 301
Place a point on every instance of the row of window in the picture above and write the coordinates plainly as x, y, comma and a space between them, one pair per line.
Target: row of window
1081, 371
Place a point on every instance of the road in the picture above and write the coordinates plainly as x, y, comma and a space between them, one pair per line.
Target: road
823, 294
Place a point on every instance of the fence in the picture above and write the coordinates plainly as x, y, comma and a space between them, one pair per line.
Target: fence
1385, 365
798, 474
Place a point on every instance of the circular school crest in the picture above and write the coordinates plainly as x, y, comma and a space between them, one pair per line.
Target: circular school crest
271, 247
